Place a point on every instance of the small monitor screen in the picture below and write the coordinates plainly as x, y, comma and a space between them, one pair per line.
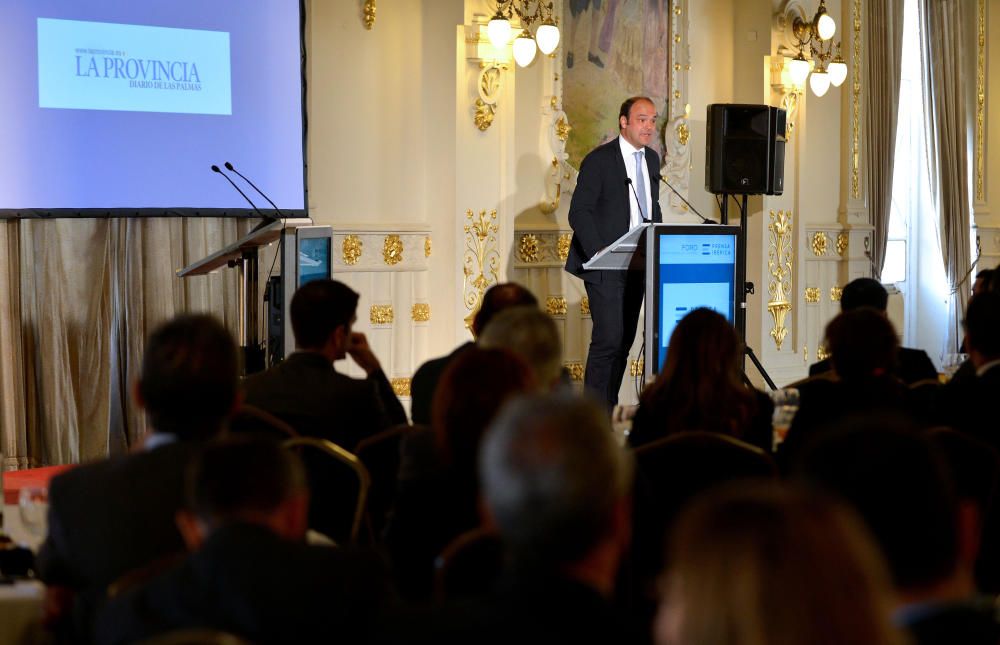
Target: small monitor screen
314, 259
694, 270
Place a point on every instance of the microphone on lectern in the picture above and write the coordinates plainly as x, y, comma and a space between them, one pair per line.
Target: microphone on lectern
658, 177
260, 192
628, 182
249, 201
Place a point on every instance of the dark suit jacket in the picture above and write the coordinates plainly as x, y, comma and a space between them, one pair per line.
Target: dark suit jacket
425, 381
113, 516
973, 622
969, 405
599, 210
912, 365
306, 392
247, 581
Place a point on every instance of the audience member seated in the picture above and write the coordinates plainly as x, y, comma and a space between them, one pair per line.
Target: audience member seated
863, 346
911, 365
761, 564
438, 494
250, 572
556, 486
982, 282
891, 476
969, 403
531, 334
701, 387
307, 392
426, 378
110, 517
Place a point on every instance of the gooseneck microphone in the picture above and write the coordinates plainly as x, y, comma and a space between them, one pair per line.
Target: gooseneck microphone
658, 177
628, 182
260, 192
233, 183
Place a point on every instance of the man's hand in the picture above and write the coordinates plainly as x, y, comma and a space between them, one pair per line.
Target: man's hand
358, 349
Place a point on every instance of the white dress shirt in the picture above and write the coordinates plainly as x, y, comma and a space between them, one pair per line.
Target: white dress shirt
628, 154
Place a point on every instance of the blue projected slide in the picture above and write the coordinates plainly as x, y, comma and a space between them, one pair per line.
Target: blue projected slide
121, 108
104, 66
695, 271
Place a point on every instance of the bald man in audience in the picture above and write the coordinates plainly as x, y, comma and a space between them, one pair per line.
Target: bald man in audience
250, 572
307, 392
496, 299
114, 516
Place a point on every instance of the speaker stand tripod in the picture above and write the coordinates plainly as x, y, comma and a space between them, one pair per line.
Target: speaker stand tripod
743, 287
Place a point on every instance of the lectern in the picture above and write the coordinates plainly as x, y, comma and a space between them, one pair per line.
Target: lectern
244, 255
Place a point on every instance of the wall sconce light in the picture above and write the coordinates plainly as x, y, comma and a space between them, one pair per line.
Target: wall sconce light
824, 65
528, 12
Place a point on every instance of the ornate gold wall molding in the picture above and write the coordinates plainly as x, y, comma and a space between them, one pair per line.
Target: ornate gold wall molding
392, 250
779, 264
480, 261
980, 99
812, 295
541, 248
420, 312
401, 386
351, 249
821, 353
843, 243
835, 293
585, 306
575, 369
381, 315
818, 243
488, 87
856, 103
556, 306
369, 14
636, 367
427, 246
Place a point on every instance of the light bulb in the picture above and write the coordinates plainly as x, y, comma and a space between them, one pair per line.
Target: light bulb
838, 72
524, 49
547, 37
499, 31
819, 82
798, 70
826, 27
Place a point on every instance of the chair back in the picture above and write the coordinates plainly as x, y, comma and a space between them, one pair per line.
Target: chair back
250, 419
380, 453
338, 484
469, 566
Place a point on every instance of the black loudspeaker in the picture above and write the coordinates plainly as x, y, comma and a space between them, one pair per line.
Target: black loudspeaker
745, 149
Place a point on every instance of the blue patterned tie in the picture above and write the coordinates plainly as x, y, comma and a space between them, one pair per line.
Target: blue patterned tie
641, 183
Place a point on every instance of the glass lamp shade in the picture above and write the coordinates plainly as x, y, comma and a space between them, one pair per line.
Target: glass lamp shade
826, 27
524, 50
547, 37
499, 31
838, 72
798, 70
819, 82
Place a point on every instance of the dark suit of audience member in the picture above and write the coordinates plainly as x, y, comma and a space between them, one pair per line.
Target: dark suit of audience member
111, 517
438, 492
611, 197
307, 392
863, 346
556, 485
701, 387
425, 379
900, 487
970, 404
250, 572
910, 365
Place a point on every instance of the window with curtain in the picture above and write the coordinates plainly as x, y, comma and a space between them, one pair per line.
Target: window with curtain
913, 260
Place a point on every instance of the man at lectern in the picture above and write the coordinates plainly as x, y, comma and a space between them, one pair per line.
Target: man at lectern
617, 189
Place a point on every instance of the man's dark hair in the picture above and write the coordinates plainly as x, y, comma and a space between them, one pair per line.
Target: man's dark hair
982, 324
190, 376
318, 308
241, 474
862, 343
900, 487
864, 292
496, 299
627, 104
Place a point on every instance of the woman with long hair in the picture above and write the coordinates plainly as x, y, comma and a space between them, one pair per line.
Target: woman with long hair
701, 387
